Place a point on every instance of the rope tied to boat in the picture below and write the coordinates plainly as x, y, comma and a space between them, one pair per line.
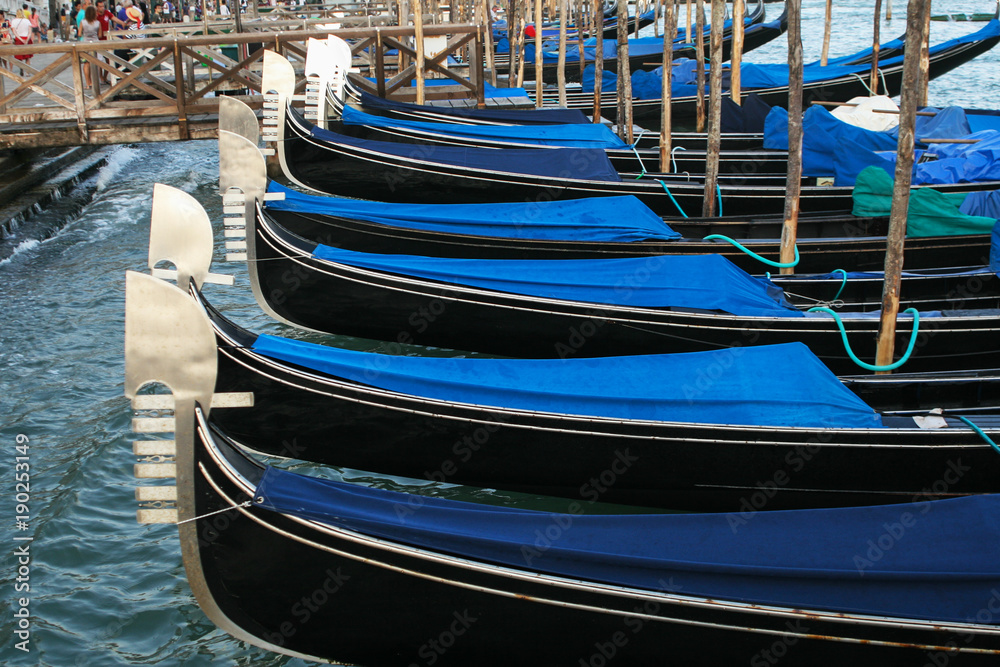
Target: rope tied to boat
637, 156
667, 190
872, 367
740, 246
843, 283
246, 503
980, 433
673, 156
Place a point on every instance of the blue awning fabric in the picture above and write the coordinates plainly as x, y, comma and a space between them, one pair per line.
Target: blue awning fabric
758, 77
730, 386
508, 116
585, 135
604, 219
934, 560
687, 282
589, 164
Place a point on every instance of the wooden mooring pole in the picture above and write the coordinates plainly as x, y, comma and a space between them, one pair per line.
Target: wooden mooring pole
539, 58
793, 182
916, 25
925, 59
708, 208
875, 49
669, 31
736, 57
699, 50
598, 17
561, 71
624, 76
418, 27
687, 33
827, 25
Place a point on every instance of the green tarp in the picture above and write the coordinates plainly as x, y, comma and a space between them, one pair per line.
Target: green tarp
931, 213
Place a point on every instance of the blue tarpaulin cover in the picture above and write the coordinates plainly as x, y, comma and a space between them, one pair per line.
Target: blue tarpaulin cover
947, 123
823, 138
753, 76
743, 389
690, 282
508, 116
957, 163
585, 135
605, 219
591, 164
945, 565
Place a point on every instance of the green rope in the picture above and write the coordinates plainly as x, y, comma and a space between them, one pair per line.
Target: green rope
843, 283
872, 367
637, 156
718, 191
769, 262
667, 190
980, 433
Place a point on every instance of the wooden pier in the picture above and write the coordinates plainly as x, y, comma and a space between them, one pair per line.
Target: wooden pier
166, 89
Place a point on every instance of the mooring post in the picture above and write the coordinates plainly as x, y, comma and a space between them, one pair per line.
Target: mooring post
875, 48
539, 58
736, 55
916, 25
561, 67
418, 30
669, 30
925, 58
521, 38
579, 22
487, 22
699, 50
598, 59
624, 77
793, 181
888, 10
687, 30
708, 208
828, 20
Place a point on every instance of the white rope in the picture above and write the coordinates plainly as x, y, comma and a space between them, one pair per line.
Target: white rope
226, 509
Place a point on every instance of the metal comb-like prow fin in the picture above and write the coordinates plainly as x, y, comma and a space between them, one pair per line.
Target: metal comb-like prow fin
241, 166
236, 117
319, 71
168, 340
278, 86
181, 233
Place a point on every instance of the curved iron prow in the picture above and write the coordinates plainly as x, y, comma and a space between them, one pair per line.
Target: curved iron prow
169, 340
243, 185
181, 233
278, 86
235, 116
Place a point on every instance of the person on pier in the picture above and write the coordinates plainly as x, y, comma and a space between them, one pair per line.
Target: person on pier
90, 31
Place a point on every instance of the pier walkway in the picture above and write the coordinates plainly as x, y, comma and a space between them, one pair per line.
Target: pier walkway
165, 88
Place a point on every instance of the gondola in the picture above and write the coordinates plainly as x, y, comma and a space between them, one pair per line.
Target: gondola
645, 55
551, 426
485, 312
324, 161
837, 241
944, 58
252, 553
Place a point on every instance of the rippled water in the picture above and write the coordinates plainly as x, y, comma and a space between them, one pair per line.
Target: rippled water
105, 590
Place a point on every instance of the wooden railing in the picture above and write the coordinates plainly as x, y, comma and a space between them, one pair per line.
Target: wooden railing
166, 88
